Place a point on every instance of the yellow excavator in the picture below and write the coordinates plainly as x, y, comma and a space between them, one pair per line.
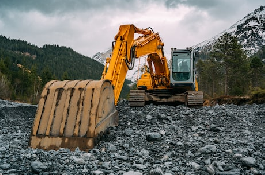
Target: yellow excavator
160, 84
75, 113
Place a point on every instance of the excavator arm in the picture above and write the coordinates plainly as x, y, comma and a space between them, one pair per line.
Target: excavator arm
127, 49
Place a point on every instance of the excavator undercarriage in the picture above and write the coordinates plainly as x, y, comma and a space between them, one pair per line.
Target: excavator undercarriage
141, 97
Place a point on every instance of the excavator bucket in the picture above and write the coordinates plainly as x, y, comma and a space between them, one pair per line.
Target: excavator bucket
73, 113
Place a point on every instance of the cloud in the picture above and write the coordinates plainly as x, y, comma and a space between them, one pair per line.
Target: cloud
218, 9
89, 26
202, 4
67, 6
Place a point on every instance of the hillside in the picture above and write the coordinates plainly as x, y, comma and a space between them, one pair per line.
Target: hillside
57, 59
25, 68
250, 32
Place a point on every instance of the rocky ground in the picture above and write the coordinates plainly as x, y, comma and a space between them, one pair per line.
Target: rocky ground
224, 140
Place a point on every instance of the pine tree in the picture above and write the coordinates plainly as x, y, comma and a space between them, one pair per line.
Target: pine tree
46, 76
230, 55
257, 72
65, 76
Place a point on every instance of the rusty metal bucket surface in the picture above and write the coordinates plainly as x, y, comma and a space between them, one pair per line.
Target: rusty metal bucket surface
72, 113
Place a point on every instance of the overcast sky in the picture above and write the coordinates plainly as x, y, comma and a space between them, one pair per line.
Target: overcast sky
89, 26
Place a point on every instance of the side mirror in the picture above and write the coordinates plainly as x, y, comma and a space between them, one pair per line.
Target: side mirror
196, 55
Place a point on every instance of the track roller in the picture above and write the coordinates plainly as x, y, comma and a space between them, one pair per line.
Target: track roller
194, 98
137, 98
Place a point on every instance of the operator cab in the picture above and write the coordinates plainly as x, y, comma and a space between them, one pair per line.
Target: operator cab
182, 74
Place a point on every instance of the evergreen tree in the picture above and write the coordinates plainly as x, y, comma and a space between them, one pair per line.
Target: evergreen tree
230, 55
4, 87
257, 72
65, 76
46, 76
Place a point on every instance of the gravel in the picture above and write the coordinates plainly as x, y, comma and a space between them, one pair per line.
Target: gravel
226, 139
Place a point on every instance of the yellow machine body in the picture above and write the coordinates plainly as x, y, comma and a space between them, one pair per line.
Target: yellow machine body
74, 113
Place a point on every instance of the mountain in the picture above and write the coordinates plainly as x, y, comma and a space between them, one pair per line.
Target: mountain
132, 75
250, 32
59, 60
25, 68
101, 56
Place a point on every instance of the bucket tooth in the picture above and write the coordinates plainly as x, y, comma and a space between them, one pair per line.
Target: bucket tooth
73, 113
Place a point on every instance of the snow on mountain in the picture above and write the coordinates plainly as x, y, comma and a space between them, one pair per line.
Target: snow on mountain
101, 56
132, 75
250, 32
137, 71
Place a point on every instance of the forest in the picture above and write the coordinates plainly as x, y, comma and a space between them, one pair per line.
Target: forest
227, 71
25, 68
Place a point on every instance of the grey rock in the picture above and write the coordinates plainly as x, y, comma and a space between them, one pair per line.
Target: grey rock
248, 161
208, 149
261, 166
38, 166
231, 172
149, 117
106, 165
144, 152
228, 167
168, 173
78, 160
179, 143
2, 149
107, 171
195, 165
140, 161
156, 171
254, 171
215, 128
175, 169
12, 172
112, 148
128, 132
97, 172
139, 166
210, 169
132, 173
77, 150
207, 161
162, 132
219, 165
168, 164
194, 128
122, 157
126, 146
154, 136
5, 166
237, 155
228, 151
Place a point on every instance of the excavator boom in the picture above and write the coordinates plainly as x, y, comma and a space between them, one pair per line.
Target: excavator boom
126, 50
